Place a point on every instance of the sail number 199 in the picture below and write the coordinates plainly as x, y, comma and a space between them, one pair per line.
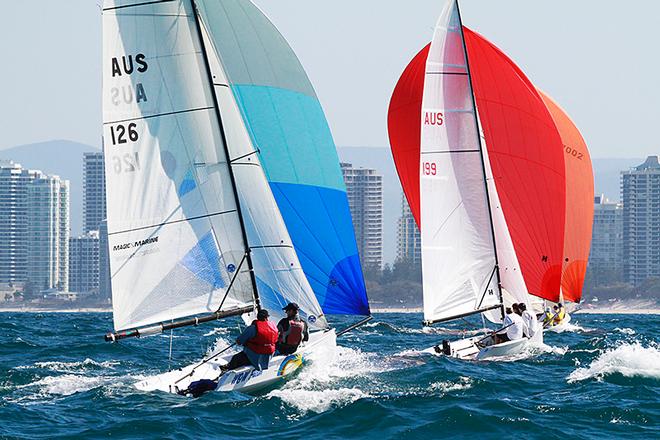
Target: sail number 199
429, 169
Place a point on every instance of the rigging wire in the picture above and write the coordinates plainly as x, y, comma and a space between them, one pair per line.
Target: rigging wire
169, 361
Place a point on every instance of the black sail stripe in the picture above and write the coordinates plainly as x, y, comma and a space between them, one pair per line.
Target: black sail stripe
172, 222
138, 118
153, 2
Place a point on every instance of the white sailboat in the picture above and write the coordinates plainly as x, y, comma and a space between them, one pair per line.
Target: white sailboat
459, 204
195, 233
470, 264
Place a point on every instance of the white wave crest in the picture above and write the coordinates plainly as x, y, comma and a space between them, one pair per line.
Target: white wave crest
70, 367
318, 401
629, 360
219, 345
625, 330
218, 331
463, 383
317, 387
68, 384
567, 327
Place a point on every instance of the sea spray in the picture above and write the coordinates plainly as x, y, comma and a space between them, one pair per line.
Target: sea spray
628, 359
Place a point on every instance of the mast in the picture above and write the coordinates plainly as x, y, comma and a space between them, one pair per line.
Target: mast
481, 155
216, 106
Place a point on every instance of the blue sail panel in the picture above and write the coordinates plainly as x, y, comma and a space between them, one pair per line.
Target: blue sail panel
288, 127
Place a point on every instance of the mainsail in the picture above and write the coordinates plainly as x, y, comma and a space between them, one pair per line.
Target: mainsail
178, 160
286, 125
459, 262
579, 202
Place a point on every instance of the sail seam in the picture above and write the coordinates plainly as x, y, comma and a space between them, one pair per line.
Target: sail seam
138, 4
450, 151
159, 115
447, 73
173, 222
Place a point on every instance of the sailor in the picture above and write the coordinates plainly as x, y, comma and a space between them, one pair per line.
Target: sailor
518, 310
258, 341
560, 313
531, 324
292, 330
548, 317
512, 327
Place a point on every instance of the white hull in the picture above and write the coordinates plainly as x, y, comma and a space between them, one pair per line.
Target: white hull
561, 326
467, 349
320, 348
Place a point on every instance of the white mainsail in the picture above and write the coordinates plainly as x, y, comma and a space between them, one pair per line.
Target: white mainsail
175, 233
459, 264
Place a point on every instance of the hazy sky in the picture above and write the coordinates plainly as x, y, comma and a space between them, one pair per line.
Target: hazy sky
597, 58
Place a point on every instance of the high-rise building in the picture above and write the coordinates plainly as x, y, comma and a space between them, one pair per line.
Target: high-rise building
640, 190
84, 263
408, 238
34, 228
94, 211
13, 222
364, 188
48, 232
606, 255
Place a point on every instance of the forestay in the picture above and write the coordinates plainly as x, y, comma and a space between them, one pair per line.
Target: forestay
175, 238
286, 125
458, 254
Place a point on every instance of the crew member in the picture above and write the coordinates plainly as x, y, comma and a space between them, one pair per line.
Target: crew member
258, 341
560, 313
512, 327
292, 330
548, 317
531, 324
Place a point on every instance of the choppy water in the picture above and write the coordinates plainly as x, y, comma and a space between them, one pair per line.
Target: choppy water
58, 379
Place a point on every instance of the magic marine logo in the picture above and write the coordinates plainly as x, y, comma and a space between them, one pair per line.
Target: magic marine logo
135, 244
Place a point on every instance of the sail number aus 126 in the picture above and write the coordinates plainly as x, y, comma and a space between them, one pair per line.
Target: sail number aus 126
121, 134
429, 169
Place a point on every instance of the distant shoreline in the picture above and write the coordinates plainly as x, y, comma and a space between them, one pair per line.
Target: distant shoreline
617, 312
396, 310
384, 310
49, 310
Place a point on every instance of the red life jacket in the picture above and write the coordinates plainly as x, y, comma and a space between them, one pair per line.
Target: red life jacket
265, 339
294, 335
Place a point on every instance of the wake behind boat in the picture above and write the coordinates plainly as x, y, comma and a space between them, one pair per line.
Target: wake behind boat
205, 216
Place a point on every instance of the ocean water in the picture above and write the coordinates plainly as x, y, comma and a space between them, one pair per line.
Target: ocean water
58, 379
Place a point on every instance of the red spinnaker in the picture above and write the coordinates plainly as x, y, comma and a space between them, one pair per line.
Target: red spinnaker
525, 152
404, 124
579, 202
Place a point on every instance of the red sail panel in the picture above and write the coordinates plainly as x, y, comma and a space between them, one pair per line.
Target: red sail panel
404, 127
579, 202
525, 152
